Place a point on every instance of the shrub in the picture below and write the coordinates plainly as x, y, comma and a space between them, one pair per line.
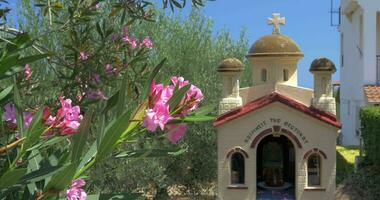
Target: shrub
370, 120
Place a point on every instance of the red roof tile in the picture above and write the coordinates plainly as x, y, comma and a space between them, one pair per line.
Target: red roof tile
372, 92
275, 97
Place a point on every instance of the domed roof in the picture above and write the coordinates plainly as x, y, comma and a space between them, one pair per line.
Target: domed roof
275, 45
322, 64
230, 65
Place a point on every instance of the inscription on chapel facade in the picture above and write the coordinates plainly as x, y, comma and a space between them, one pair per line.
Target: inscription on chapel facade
277, 122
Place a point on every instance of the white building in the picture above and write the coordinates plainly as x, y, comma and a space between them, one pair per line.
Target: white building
360, 63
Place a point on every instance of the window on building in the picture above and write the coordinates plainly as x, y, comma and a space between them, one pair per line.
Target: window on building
286, 74
314, 170
264, 75
237, 168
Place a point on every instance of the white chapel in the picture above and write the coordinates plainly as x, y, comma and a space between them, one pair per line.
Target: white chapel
276, 140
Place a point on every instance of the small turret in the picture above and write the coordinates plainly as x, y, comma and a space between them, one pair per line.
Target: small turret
230, 70
322, 69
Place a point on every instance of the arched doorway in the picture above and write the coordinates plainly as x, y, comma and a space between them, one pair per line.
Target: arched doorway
275, 168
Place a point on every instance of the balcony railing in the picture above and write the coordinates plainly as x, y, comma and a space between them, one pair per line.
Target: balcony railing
378, 69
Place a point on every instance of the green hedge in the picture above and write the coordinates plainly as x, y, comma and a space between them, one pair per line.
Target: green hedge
370, 121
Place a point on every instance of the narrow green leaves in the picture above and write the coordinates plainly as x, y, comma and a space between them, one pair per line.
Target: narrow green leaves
153, 74
80, 138
177, 97
62, 179
112, 134
151, 153
34, 131
11, 177
17, 103
6, 92
197, 118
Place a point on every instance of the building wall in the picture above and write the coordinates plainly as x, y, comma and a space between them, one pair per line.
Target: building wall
315, 134
359, 49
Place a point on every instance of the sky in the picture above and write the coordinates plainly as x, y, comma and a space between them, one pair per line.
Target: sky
307, 23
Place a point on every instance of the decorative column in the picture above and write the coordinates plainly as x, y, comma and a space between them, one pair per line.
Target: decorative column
322, 69
230, 69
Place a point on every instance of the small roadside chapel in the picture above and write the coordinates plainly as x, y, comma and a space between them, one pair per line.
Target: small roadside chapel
276, 140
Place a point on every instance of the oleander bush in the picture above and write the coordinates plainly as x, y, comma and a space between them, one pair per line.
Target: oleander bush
78, 90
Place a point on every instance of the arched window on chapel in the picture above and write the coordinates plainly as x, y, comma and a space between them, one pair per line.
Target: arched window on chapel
314, 170
264, 75
237, 168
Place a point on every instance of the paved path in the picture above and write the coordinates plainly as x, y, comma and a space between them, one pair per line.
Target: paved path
275, 194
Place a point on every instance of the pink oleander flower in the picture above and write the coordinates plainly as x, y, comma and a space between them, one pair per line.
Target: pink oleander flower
131, 41
83, 56
95, 95
95, 78
10, 113
146, 43
10, 116
27, 72
97, 5
111, 70
175, 132
67, 119
157, 116
179, 80
126, 30
75, 192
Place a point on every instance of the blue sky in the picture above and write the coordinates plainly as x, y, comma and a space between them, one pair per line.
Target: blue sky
307, 22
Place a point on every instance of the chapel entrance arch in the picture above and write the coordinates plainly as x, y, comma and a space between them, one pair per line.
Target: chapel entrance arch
275, 164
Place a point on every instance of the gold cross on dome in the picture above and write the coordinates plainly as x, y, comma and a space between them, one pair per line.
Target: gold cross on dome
276, 21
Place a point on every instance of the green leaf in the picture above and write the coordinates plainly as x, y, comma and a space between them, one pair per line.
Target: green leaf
30, 59
48, 142
62, 179
111, 102
135, 119
196, 118
80, 138
11, 177
6, 92
177, 97
204, 110
88, 156
35, 130
7, 63
129, 196
153, 74
151, 153
112, 134
19, 110
40, 174
122, 92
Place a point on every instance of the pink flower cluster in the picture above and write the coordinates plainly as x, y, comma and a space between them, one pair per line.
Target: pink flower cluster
83, 56
110, 70
67, 120
27, 72
10, 116
75, 192
147, 42
158, 114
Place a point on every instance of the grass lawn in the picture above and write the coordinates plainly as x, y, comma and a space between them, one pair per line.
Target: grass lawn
345, 161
